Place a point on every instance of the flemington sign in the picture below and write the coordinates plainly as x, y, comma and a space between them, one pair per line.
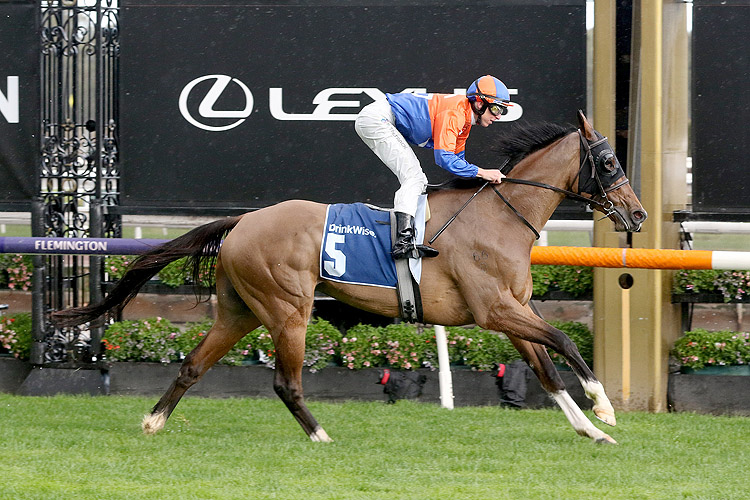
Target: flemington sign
76, 246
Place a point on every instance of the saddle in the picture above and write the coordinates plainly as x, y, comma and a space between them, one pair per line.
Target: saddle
356, 249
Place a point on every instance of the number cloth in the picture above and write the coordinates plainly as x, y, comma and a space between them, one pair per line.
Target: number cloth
357, 245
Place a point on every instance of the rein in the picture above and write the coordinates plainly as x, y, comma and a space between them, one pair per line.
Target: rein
518, 214
607, 206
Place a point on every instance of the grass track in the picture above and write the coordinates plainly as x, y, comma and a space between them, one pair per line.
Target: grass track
92, 448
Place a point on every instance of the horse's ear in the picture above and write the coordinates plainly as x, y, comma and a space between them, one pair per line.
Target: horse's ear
586, 128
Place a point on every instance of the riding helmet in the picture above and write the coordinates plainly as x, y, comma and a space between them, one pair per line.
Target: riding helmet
489, 89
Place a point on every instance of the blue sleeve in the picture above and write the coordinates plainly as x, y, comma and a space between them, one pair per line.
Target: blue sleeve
455, 163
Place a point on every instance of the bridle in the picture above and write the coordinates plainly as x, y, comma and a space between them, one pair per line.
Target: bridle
597, 161
596, 176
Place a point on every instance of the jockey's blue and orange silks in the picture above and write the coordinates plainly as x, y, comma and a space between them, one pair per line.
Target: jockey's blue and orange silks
437, 121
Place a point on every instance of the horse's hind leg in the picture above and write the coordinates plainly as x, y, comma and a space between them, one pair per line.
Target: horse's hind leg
290, 355
234, 320
538, 359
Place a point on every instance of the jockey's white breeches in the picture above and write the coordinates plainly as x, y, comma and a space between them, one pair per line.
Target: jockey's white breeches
375, 125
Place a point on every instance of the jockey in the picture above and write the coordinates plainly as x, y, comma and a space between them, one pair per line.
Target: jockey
441, 122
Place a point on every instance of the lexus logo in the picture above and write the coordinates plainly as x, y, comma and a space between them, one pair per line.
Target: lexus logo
206, 109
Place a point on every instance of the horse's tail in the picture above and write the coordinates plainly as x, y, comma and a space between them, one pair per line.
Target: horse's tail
201, 246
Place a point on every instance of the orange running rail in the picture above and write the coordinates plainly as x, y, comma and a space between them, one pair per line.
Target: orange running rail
642, 258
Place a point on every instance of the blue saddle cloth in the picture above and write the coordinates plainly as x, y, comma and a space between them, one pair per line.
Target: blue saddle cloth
357, 246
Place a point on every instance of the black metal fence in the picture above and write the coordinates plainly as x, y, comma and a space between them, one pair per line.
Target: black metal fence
79, 168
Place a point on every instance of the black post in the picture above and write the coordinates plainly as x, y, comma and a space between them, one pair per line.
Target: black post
38, 331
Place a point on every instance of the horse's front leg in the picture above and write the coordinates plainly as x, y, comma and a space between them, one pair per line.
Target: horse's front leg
520, 323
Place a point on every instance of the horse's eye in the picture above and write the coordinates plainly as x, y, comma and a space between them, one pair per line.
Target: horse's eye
609, 162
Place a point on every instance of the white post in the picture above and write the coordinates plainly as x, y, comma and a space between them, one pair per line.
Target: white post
446, 382
543, 239
138, 232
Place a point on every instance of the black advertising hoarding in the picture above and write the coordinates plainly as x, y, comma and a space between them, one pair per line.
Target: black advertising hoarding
721, 106
19, 104
242, 105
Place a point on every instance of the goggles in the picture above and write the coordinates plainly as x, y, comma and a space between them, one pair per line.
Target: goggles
496, 109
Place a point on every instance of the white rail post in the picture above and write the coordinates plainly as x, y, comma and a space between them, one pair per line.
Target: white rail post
444, 365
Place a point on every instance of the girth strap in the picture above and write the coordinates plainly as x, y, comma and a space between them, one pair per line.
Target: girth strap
409, 296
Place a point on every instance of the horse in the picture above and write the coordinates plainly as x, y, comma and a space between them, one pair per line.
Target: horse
267, 269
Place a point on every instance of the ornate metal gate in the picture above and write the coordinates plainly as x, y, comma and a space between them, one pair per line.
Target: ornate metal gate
79, 171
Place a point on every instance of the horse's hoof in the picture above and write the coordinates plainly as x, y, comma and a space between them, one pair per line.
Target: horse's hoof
320, 436
606, 416
153, 423
605, 439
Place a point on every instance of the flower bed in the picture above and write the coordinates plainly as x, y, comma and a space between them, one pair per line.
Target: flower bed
701, 348
15, 272
15, 335
731, 286
400, 346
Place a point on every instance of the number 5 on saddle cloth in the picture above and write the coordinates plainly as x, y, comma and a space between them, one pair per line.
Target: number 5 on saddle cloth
356, 249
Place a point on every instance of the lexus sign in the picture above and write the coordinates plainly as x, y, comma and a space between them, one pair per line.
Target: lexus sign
206, 111
329, 104
252, 104
19, 105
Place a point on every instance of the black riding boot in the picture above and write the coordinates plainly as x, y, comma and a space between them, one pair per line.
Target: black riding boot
405, 246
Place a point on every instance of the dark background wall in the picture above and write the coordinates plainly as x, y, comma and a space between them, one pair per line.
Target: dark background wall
19, 112
303, 48
721, 106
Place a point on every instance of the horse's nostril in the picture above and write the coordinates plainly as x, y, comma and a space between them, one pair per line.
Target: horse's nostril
639, 215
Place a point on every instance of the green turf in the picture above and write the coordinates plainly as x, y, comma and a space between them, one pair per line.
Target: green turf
92, 448
16, 230
728, 242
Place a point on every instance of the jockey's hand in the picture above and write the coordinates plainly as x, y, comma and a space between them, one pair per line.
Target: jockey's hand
494, 176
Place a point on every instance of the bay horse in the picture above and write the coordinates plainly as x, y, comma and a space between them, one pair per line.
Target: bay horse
267, 270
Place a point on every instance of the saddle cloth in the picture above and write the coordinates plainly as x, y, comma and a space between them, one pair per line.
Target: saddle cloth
357, 245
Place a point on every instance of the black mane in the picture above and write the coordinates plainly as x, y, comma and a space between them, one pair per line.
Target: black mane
522, 139
514, 144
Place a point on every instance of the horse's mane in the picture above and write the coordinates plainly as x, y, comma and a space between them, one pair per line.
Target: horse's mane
515, 143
